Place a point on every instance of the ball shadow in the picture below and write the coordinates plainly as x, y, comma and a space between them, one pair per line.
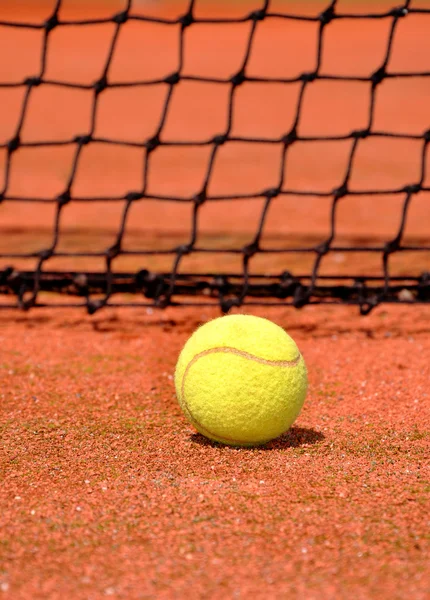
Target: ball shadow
293, 438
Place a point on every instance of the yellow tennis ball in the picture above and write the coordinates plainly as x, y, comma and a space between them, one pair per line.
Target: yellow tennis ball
241, 380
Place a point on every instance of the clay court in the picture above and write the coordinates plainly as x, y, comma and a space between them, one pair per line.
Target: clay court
106, 490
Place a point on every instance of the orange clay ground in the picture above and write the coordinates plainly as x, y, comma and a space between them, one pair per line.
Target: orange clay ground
106, 490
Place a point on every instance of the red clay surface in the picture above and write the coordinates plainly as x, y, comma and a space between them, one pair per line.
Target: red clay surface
106, 490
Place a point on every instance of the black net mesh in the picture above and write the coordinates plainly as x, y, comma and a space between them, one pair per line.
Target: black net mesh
299, 268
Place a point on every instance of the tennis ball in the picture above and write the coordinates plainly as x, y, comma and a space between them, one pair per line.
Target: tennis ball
241, 380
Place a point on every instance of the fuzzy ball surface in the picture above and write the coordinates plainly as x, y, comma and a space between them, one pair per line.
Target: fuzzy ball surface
241, 380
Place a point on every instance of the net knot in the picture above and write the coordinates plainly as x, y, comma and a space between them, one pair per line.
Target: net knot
414, 188
271, 193
184, 249
6, 274
172, 79
152, 284
120, 18
368, 304
100, 85
392, 246
287, 285
257, 15
378, 76
301, 296
250, 249
64, 198
227, 304
327, 16
186, 20
132, 196
33, 81
152, 143
200, 198
287, 278
220, 139
51, 23
113, 251
399, 11
83, 140
290, 137
239, 78
14, 144
46, 253
340, 192
323, 248
94, 305
360, 134
308, 77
